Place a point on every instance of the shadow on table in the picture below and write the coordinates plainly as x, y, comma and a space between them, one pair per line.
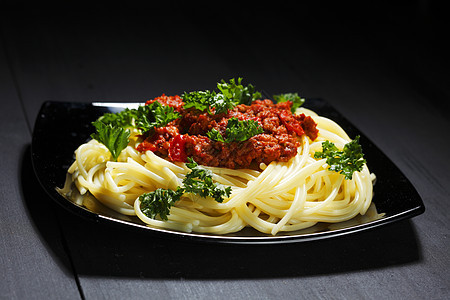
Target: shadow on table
87, 248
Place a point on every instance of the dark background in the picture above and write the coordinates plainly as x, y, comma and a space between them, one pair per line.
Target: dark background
383, 65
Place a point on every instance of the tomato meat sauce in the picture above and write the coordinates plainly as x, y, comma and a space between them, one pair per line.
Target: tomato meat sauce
187, 136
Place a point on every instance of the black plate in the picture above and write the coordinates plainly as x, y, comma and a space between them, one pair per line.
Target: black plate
61, 127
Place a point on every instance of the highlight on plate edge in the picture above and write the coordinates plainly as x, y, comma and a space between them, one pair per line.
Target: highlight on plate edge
217, 161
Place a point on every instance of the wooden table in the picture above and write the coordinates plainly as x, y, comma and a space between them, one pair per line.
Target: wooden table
385, 70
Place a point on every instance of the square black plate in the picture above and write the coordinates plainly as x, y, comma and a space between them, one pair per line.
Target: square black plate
62, 126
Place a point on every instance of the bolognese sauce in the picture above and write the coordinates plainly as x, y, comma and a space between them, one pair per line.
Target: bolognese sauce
187, 135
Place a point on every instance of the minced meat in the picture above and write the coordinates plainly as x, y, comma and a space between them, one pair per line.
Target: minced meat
187, 135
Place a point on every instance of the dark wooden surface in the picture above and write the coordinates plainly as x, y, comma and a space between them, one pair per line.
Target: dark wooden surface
385, 68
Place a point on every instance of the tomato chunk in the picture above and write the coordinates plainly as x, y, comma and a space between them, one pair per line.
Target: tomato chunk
177, 149
291, 123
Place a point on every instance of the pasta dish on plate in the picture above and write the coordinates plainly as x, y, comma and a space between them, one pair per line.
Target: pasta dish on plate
218, 161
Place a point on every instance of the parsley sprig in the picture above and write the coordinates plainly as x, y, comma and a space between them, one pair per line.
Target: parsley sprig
159, 202
230, 94
198, 181
237, 131
238, 93
204, 100
345, 162
114, 138
296, 100
113, 129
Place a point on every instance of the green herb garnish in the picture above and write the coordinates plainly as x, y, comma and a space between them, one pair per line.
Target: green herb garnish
204, 100
159, 202
200, 100
154, 115
113, 137
112, 129
238, 93
198, 181
162, 114
345, 162
237, 131
231, 94
124, 119
296, 100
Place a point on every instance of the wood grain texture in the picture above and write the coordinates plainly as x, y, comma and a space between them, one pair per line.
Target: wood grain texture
33, 261
375, 76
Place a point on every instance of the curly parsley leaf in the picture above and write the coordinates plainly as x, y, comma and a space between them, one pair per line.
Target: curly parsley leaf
162, 114
124, 119
296, 100
200, 100
345, 162
112, 129
159, 202
222, 104
235, 91
236, 131
240, 131
145, 117
153, 115
215, 135
199, 181
114, 138
205, 100
230, 94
